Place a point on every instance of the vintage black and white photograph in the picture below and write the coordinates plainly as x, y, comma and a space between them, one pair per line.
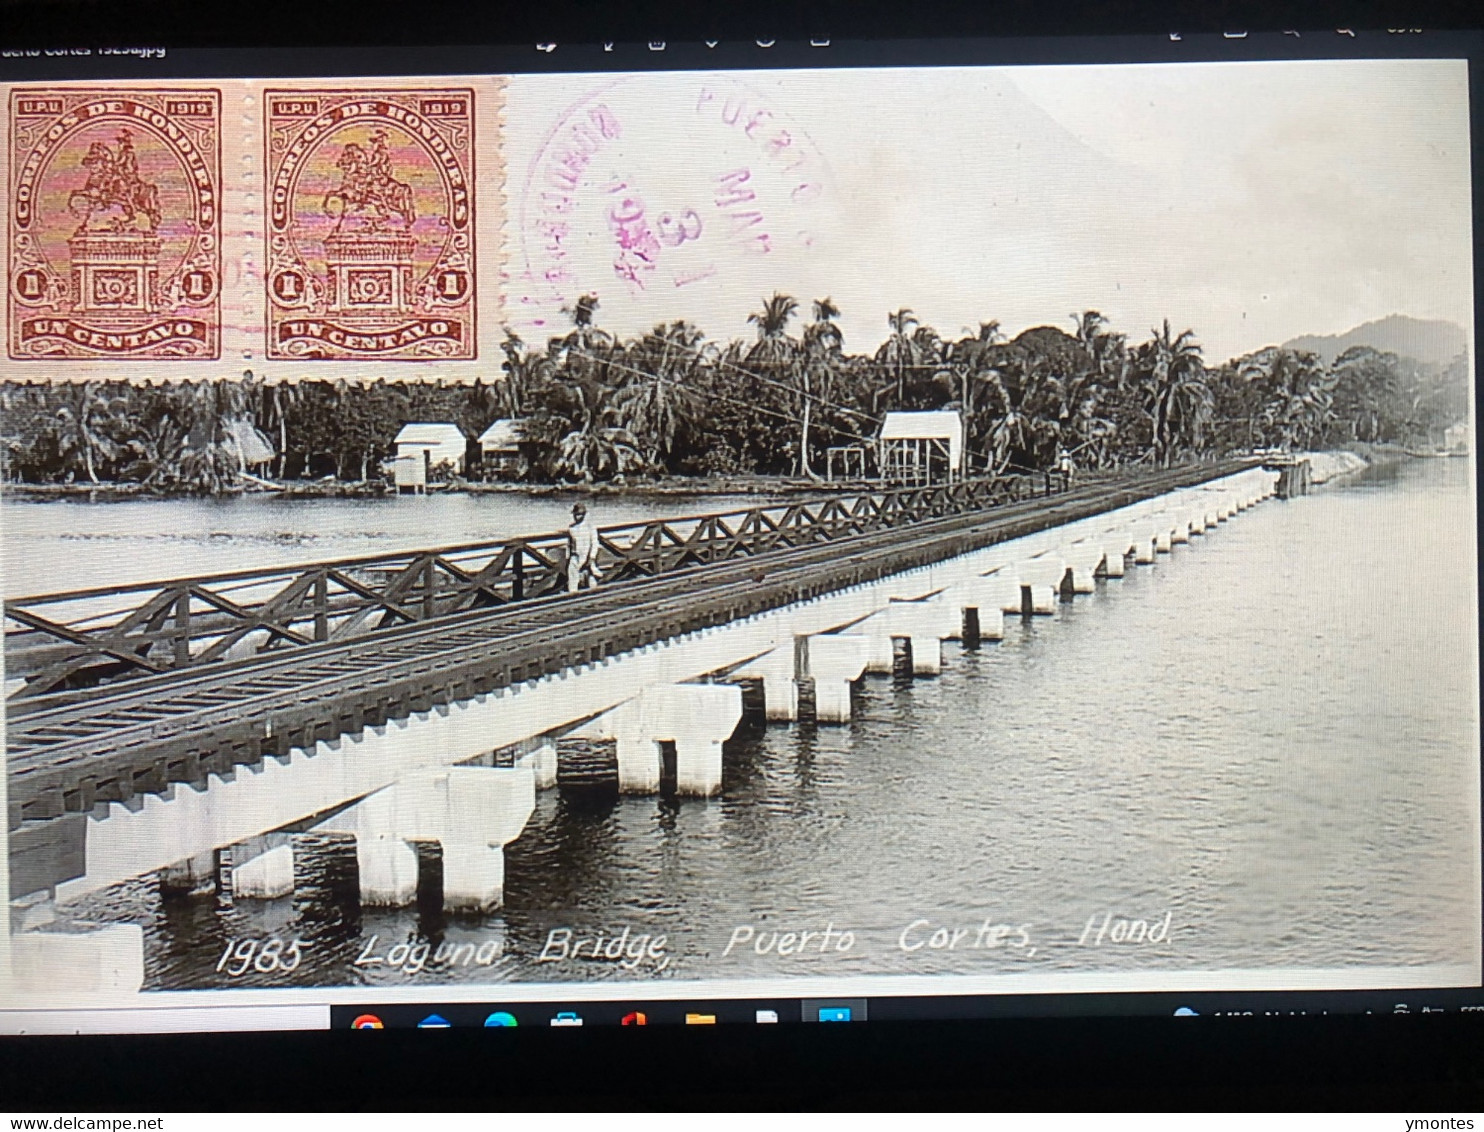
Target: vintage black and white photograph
1002, 528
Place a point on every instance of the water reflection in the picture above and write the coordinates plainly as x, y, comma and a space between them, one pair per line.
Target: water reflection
1268, 739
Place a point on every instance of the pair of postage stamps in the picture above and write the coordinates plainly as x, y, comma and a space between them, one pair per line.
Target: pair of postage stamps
130, 236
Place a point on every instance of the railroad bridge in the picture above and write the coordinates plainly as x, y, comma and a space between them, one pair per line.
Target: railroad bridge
190, 727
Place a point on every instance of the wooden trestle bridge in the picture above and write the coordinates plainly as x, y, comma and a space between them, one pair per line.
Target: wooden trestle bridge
123, 692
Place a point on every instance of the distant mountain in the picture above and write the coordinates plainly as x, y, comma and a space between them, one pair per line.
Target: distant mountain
1432, 342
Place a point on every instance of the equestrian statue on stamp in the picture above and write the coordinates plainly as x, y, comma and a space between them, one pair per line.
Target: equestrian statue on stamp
368, 186
114, 188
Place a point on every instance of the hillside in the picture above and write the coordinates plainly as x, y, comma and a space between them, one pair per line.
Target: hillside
1431, 342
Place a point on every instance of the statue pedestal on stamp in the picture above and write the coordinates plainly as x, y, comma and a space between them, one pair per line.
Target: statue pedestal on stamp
370, 271
115, 271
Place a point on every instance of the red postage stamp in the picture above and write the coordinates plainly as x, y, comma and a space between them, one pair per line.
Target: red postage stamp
370, 226
113, 224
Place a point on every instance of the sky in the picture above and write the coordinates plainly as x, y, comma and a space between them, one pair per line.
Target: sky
1249, 202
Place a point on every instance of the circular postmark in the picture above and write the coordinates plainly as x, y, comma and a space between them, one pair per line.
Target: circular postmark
663, 194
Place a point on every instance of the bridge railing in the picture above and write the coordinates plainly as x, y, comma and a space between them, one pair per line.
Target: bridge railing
83, 637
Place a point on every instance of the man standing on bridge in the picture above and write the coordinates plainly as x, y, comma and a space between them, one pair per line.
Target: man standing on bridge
582, 551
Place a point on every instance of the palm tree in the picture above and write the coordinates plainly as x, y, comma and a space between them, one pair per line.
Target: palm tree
775, 356
1099, 401
282, 401
518, 368
91, 427
1013, 429
969, 361
155, 451
773, 345
595, 448
1301, 398
898, 353
585, 349
658, 400
585, 332
1089, 325
823, 347
1176, 397
1366, 385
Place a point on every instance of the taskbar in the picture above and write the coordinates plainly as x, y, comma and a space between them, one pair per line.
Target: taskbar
142, 1017
640, 1011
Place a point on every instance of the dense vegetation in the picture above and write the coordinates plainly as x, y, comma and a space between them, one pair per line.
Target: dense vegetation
671, 402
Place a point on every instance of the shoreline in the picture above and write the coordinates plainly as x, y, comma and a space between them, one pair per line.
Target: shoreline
1326, 465
334, 489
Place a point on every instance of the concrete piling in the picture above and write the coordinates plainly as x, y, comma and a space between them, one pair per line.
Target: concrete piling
263, 868
835, 663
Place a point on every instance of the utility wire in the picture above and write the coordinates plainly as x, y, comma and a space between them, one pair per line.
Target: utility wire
713, 394
987, 456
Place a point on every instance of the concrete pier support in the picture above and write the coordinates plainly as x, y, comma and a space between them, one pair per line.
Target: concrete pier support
1115, 554
1083, 560
1197, 521
781, 696
473, 812
991, 621
638, 765
927, 655
542, 761
1141, 541
1005, 590
195, 876
779, 671
836, 662
1181, 531
1040, 581
1042, 600
473, 876
922, 624
984, 597
1042, 570
1164, 534
263, 868
86, 960
698, 765
696, 718
388, 871
880, 655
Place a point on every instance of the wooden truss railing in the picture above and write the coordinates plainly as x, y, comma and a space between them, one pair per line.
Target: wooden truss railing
60, 641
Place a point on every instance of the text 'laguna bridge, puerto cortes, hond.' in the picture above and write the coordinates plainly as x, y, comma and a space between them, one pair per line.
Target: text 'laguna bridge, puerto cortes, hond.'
178, 727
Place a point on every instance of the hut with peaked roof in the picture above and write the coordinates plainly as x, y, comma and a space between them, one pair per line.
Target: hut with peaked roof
921, 447
423, 446
500, 447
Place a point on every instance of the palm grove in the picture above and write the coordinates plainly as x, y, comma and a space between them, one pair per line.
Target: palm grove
671, 402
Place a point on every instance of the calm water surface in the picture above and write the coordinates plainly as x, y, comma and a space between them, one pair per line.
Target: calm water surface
55, 545
1270, 738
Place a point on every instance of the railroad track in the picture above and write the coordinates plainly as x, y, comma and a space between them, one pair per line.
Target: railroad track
68, 752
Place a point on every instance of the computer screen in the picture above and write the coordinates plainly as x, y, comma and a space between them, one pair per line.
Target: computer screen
739, 533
